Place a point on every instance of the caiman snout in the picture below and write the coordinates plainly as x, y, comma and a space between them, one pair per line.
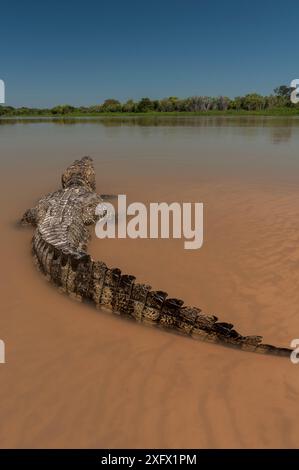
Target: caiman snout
80, 173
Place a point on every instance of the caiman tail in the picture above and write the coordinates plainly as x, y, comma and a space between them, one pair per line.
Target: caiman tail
59, 246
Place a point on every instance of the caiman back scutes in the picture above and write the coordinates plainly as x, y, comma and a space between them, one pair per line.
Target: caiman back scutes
59, 243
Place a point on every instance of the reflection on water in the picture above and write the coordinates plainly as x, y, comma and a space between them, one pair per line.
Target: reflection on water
280, 127
263, 148
154, 120
281, 134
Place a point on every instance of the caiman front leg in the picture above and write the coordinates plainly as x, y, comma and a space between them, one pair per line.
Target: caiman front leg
29, 217
34, 214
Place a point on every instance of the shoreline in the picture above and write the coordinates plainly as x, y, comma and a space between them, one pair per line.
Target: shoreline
279, 112
288, 114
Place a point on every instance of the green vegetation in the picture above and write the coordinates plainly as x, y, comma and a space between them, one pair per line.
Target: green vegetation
276, 104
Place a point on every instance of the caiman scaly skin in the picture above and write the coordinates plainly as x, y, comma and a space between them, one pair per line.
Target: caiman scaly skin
59, 245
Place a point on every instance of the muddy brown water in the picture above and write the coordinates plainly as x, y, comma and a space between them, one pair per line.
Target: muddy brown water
78, 377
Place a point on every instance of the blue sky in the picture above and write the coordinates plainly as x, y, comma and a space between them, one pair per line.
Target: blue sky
84, 52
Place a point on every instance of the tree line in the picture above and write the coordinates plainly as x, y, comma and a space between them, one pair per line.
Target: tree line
195, 104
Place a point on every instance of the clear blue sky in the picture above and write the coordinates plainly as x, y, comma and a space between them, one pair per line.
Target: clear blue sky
84, 52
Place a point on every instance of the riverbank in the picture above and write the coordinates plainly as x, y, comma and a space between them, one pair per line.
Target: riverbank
281, 112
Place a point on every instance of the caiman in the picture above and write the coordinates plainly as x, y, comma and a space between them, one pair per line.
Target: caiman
59, 245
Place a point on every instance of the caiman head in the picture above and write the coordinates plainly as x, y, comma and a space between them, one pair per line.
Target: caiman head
80, 173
